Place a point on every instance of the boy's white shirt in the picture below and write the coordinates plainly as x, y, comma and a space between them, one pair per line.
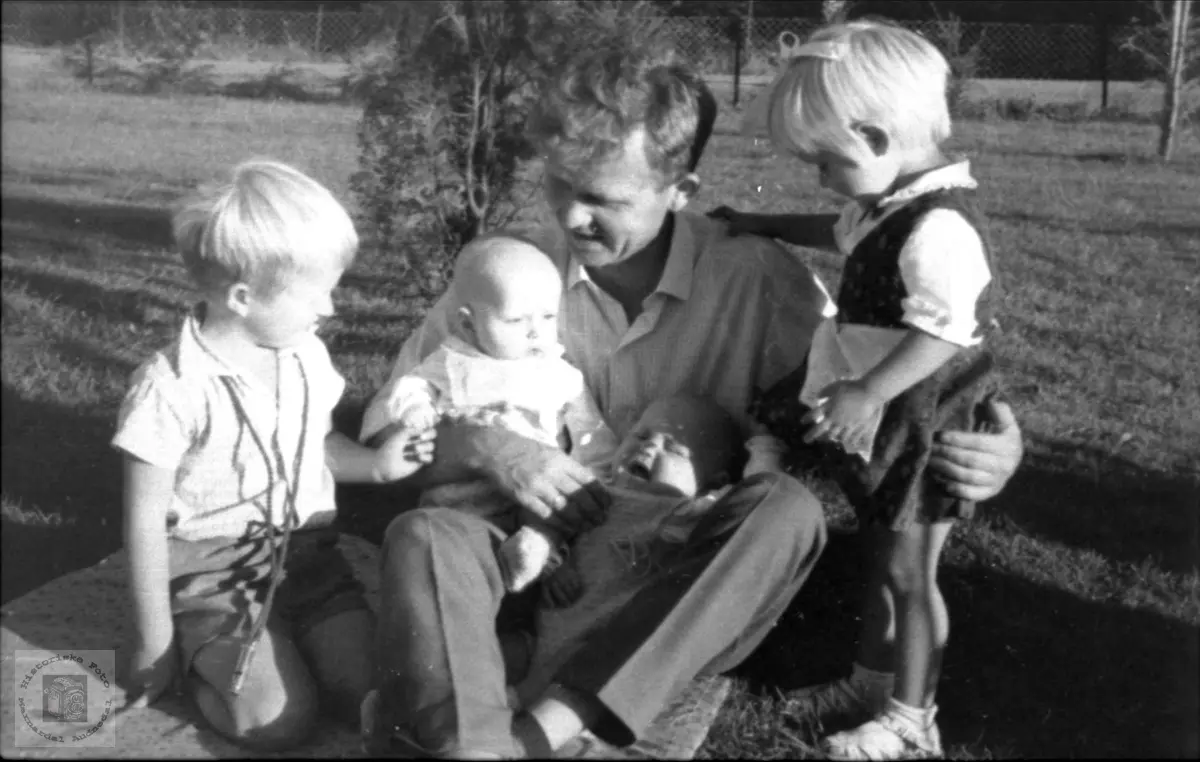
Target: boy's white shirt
457, 377
944, 270
178, 415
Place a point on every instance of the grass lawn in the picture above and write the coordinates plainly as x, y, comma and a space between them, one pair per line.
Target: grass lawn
1075, 598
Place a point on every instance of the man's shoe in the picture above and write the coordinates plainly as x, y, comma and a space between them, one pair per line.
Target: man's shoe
392, 743
851, 701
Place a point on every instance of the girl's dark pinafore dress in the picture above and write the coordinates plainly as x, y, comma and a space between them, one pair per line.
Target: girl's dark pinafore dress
892, 489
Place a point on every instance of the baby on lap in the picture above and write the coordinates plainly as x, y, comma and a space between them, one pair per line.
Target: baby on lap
503, 365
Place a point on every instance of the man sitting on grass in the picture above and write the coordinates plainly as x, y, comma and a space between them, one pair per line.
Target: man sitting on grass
657, 302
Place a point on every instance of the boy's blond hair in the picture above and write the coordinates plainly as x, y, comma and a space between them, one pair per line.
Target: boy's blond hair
268, 223
870, 72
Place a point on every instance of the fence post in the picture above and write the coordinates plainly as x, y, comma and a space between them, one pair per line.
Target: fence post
320, 15
1104, 40
748, 45
737, 58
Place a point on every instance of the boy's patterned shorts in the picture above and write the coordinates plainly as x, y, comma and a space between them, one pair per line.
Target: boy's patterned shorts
218, 586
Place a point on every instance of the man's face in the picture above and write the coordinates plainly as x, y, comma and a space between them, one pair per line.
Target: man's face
614, 208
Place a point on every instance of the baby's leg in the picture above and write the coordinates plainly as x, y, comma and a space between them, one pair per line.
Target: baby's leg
277, 706
339, 651
922, 622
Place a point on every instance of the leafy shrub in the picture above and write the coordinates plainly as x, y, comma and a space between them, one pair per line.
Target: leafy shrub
441, 138
963, 59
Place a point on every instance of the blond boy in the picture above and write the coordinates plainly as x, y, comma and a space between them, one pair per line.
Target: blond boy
237, 587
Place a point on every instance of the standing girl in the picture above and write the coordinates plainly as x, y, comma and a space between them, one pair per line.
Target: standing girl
865, 103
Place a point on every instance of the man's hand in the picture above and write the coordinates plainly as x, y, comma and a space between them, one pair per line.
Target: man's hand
977, 465
152, 672
543, 480
404, 452
562, 587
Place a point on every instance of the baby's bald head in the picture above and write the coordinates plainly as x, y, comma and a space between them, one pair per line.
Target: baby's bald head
491, 267
508, 292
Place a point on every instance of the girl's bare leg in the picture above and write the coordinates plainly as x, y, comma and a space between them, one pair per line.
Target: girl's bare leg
922, 622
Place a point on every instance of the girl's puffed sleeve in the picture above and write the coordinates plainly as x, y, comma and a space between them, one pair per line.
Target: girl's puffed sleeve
944, 269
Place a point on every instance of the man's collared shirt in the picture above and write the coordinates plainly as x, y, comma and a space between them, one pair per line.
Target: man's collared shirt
729, 314
189, 412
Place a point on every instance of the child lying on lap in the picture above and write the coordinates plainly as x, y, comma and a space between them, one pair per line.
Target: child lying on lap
670, 475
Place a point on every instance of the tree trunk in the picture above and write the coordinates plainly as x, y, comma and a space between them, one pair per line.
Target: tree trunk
834, 11
1173, 86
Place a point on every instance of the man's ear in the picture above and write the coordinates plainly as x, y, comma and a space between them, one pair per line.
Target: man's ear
876, 138
685, 187
237, 298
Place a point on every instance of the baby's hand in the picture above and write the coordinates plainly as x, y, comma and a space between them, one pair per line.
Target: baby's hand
844, 417
420, 417
563, 586
405, 452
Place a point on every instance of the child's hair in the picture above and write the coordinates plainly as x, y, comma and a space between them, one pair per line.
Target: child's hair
862, 72
721, 446
268, 223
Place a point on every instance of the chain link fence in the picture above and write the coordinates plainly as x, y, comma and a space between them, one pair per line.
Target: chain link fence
225, 29
718, 46
1005, 50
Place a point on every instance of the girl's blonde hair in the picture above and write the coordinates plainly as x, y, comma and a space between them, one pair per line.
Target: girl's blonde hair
268, 223
865, 72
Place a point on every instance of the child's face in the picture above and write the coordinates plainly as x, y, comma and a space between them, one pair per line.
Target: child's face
866, 175
520, 319
667, 446
283, 317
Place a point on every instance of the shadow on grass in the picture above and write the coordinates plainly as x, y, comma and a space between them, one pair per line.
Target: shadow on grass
59, 461
1088, 498
1151, 229
113, 303
1030, 671
141, 225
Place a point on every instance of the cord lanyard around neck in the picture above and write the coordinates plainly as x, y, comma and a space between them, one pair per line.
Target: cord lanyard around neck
276, 471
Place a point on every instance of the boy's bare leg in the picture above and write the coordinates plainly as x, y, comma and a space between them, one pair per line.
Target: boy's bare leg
339, 652
277, 705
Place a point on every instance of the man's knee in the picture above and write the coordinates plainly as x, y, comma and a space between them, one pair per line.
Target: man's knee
788, 514
412, 530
